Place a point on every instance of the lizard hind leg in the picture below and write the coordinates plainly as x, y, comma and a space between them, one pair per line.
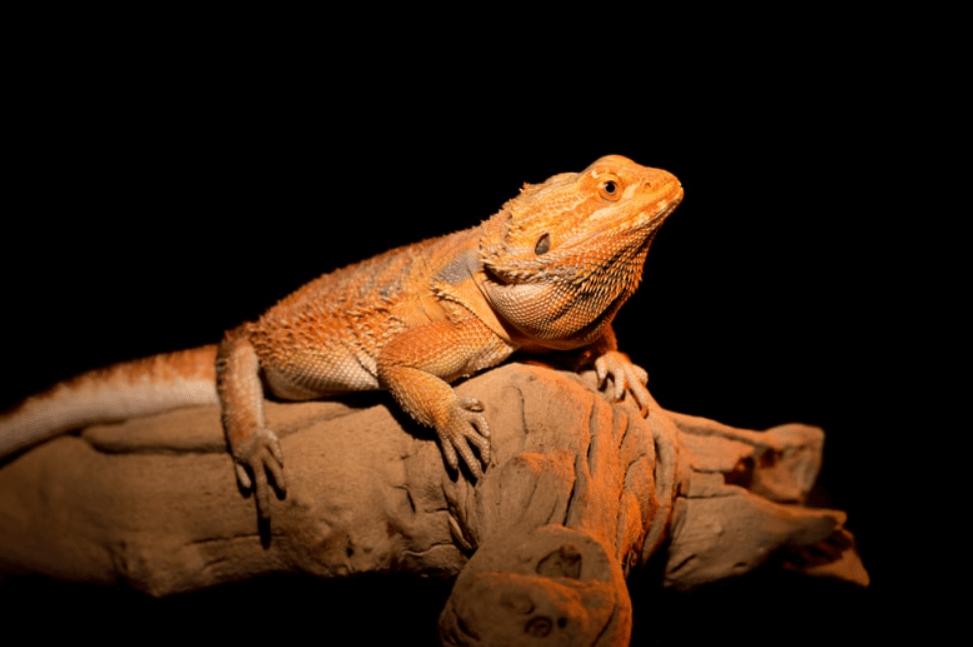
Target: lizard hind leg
255, 449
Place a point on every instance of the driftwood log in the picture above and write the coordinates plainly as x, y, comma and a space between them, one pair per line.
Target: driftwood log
579, 492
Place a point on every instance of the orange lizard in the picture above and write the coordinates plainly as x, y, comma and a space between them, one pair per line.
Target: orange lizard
548, 271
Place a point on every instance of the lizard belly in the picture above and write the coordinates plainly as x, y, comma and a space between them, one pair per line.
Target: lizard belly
309, 374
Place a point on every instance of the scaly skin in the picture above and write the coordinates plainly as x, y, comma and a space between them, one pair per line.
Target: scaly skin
549, 271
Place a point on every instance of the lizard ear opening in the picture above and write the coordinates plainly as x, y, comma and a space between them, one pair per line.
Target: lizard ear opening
543, 244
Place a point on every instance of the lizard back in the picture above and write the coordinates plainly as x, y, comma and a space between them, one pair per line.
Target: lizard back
325, 338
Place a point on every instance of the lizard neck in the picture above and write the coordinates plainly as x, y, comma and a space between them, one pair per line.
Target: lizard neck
570, 307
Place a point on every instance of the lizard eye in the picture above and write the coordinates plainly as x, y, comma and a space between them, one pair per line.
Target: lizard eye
543, 245
610, 189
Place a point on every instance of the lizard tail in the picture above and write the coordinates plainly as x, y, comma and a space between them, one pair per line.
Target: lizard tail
138, 388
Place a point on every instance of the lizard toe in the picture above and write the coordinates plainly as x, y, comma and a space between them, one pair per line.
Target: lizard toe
626, 378
258, 463
467, 429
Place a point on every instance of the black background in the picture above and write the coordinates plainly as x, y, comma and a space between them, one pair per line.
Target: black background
160, 200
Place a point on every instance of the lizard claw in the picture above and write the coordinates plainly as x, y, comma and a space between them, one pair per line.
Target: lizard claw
466, 426
625, 376
261, 456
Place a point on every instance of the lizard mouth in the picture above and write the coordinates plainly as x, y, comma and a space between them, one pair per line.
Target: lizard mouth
655, 218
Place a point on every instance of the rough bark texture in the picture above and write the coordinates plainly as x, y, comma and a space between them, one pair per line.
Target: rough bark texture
579, 492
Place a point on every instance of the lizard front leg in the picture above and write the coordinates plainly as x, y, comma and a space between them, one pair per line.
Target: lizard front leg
625, 375
255, 449
415, 368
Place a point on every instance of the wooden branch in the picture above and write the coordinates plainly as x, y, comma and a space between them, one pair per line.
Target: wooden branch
579, 492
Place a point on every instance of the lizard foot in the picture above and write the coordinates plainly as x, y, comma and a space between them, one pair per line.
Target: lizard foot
466, 426
258, 457
625, 376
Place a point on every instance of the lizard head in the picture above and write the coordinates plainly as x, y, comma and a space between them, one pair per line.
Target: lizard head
561, 257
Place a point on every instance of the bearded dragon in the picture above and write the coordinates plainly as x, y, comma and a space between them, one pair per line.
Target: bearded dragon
549, 271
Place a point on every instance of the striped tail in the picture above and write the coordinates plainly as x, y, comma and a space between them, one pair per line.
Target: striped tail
131, 389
